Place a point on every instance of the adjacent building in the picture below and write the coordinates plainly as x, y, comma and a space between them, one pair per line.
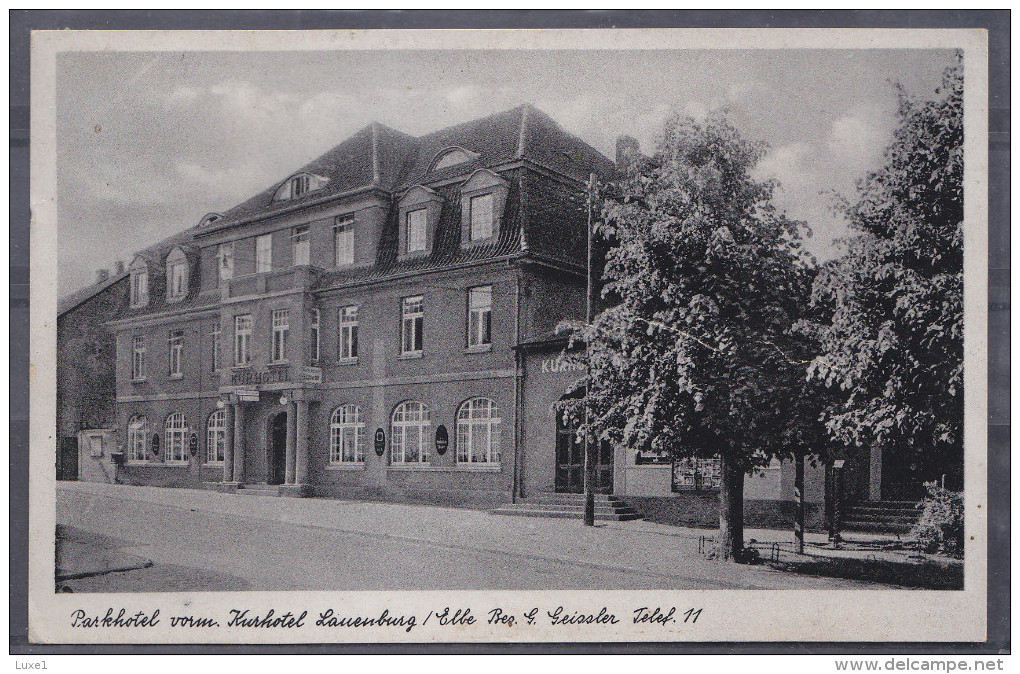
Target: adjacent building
86, 385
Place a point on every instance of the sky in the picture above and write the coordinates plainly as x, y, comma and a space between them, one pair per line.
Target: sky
148, 143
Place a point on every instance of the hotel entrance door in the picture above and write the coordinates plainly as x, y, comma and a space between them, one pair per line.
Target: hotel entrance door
570, 462
278, 449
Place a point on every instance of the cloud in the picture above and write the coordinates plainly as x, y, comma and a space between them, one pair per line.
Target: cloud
858, 139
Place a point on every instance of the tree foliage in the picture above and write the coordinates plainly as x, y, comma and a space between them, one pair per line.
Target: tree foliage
695, 356
894, 343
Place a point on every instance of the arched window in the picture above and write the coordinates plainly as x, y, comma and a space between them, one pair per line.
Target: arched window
347, 435
138, 435
409, 434
478, 431
299, 185
216, 437
208, 219
176, 439
453, 157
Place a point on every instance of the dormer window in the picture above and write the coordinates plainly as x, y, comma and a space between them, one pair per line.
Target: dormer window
299, 185
208, 219
179, 280
481, 217
139, 288
483, 198
176, 275
416, 223
419, 216
451, 157
139, 283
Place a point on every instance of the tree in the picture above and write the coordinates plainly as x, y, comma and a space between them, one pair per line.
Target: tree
704, 278
893, 346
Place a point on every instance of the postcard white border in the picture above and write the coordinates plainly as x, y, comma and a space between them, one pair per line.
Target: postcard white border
730, 615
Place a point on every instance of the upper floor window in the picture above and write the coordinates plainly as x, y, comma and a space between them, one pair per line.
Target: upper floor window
347, 333
216, 437
242, 339
176, 439
216, 333
225, 260
347, 435
281, 331
314, 345
478, 431
483, 200
139, 288
301, 252
178, 279
263, 253
409, 433
480, 316
176, 343
343, 242
299, 185
208, 219
176, 274
416, 230
138, 436
412, 325
481, 217
138, 358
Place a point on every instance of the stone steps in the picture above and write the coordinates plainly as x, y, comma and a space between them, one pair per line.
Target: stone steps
896, 517
607, 507
259, 489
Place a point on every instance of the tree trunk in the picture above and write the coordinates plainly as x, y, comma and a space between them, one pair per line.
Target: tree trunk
731, 511
798, 491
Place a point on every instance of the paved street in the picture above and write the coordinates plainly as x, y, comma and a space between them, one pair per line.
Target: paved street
214, 541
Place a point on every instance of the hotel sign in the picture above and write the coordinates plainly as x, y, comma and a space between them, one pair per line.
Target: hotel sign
561, 364
311, 375
275, 375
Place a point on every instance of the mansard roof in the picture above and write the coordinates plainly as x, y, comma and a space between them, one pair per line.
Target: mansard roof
387, 159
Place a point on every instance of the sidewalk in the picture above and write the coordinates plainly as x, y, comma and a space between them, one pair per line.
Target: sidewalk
636, 546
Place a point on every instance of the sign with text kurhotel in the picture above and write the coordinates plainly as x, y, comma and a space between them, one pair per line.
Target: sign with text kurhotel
561, 364
275, 375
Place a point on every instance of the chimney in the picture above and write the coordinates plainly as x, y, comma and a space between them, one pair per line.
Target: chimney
119, 267
627, 150
102, 275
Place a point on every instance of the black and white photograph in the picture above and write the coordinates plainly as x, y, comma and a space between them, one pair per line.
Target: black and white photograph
430, 337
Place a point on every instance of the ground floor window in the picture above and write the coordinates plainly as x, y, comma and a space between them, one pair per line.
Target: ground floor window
138, 434
478, 431
410, 433
176, 439
347, 435
216, 437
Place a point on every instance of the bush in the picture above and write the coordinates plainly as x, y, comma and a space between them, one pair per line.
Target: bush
940, 527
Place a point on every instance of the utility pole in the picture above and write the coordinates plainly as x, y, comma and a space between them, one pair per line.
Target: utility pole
798, 492
589, 446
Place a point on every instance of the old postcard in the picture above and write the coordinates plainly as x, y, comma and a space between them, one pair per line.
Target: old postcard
508, 336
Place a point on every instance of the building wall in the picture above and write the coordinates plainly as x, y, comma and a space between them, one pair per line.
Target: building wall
155, 471
196, 359
86, 381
